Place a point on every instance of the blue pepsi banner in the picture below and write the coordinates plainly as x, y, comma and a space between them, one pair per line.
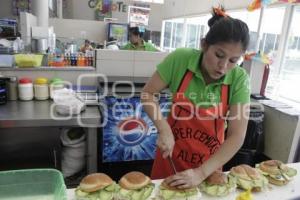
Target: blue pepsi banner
129, 133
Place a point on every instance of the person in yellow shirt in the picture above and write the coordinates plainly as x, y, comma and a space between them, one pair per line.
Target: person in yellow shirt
137, 42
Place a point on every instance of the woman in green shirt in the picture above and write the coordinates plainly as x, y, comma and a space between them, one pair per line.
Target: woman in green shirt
137, 42
208, 89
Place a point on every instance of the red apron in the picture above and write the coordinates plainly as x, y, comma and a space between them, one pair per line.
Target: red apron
198, 132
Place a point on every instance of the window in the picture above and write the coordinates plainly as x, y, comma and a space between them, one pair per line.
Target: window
290, 70
173, 34
190, 35
271, 31
176, 34
252, 20
196, 30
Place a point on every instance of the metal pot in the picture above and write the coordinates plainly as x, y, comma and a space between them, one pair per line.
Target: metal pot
39, 45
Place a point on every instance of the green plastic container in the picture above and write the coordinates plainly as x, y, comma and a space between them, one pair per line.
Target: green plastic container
32, 184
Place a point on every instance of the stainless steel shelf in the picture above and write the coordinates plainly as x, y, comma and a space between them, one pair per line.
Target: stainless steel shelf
47, 68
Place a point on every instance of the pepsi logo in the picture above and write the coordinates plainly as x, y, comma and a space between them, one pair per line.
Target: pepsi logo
132, 131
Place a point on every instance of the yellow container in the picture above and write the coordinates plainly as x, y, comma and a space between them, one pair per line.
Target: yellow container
41, 81
28, 60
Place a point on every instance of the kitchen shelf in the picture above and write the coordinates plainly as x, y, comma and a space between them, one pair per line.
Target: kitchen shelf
47, 68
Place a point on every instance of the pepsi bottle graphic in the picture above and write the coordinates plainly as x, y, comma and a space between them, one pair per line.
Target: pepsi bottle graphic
129, 133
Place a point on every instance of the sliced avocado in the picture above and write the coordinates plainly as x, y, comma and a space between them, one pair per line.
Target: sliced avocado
232, 182
147, 192
291, 172
244, 184
212, 190
80, 193
181, 194
94, 196
222, 190
192, 192
167, 194
105, 195
137, 194
111, 188
286, 177
277, 176
125, 193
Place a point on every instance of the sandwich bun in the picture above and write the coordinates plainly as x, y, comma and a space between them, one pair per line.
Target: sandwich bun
169, 192
218, 184
134, 180
94, 182
249, 178
271, 166
276, 172
217, 178
168, 187
276, 181
245, 172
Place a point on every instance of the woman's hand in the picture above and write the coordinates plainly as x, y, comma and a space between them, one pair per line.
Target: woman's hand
165, 140
186, 179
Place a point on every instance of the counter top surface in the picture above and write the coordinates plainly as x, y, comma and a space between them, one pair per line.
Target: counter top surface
287, 192
38, 113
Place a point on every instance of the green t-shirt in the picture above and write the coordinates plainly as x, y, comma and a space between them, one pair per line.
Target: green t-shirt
145, 47
174, 66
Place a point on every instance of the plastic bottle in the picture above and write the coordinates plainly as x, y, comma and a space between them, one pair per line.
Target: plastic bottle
83, 60
12, 88
50, 59
65, 60
75, 59
79, 60
25, 89
72, 59
52, 42
86, 60
41, 89
91, 60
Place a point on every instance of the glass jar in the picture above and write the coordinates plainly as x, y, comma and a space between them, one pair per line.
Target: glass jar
41, 89
13, 88
25, 89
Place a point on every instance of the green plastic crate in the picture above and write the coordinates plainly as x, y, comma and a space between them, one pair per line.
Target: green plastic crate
32, 184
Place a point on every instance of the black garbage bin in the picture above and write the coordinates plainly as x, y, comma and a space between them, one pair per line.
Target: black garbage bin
251, 151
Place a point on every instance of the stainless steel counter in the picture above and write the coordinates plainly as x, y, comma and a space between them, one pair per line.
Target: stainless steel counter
16, 114
38, 113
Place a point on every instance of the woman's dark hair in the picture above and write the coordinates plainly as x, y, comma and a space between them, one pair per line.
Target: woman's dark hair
226, 29
136, 31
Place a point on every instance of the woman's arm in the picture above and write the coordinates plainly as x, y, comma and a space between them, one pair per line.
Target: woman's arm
237, 126
165, 139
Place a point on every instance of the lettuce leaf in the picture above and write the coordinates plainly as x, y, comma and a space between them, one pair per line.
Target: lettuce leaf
219, 190
106, 193
140, 194
170, 194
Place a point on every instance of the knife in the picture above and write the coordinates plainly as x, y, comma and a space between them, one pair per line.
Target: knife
175, 172
172, 164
